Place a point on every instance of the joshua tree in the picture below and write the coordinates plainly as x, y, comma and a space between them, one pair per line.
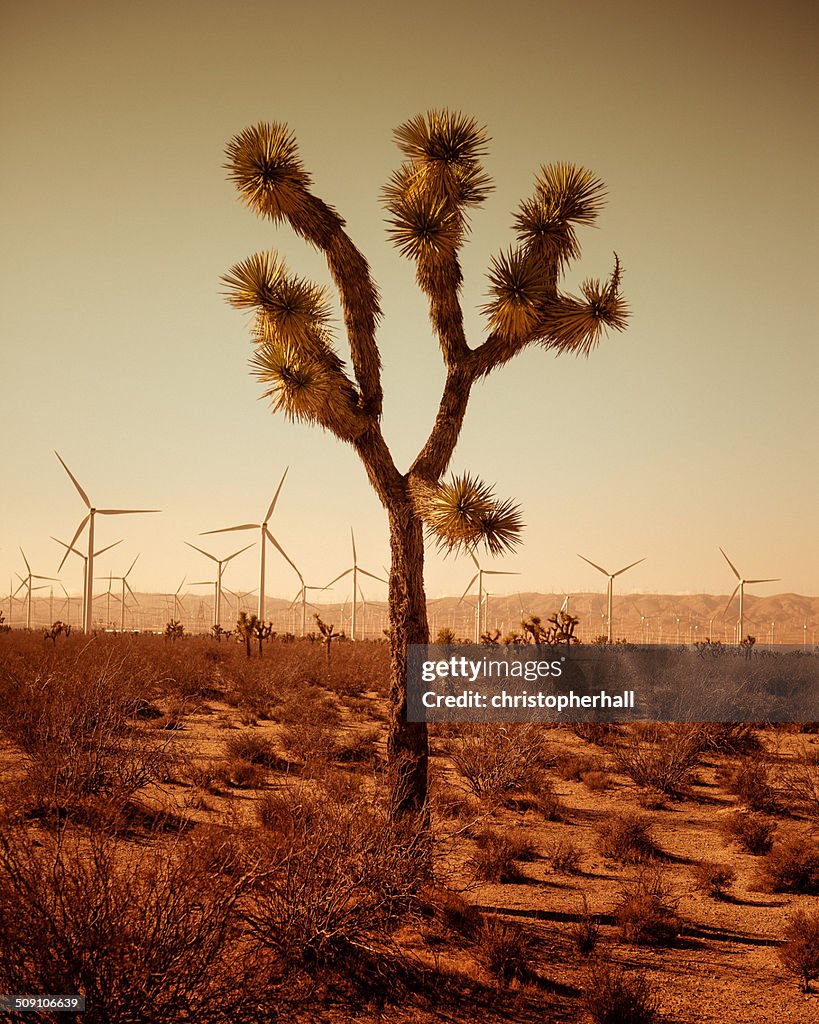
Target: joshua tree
328, 634
428, 200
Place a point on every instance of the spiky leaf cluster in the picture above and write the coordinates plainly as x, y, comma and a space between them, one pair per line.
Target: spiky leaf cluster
427, 197
518, 290
464, 512
576, 323
264, 164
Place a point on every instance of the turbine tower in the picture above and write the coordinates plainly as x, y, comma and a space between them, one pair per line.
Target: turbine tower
125, 586
79, 554
611, 576
26, 581
92, 511
355, 569
265, 536
741, 588
479, 575
220, 566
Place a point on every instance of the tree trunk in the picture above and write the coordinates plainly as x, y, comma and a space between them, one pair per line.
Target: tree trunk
407, 746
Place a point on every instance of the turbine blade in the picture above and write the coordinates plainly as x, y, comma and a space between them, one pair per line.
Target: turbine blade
108, 548
599, 568
125, 511
25, 560
498, 572
728, 560
53, 579
469, 586
127, 574
181, 585
74, 481
275, 497
128, 588
731, 598
352, 537
620, 571
70, 547
339, 577
282, 552
232, 529
372, 577
247, 547
474, 559
207, 554
763, 581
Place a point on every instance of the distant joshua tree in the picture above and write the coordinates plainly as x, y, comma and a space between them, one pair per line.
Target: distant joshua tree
428, 200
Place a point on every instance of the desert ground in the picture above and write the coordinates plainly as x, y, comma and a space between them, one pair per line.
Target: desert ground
191, 834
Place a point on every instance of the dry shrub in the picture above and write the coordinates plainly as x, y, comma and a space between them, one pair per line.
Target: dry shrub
248, 746
647, 913
736, 738
601, 734
660, 756
793, 866
616, 995
139, 933
452, 910
713, 878
597, 782
340, 882
572, 767
627, 837
450, 802
359, 747
497, 856
499, 759
800, 781
753, 832
564, 857
751, 783
506, 950
585, 931
800, 952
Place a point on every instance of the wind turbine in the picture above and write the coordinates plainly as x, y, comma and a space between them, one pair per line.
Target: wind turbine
302, 596
355, 569
79, 554
92, 511
265, 536
611, 576
125, 586
741, 588
178, 603
220, 565
479, 575
26, 582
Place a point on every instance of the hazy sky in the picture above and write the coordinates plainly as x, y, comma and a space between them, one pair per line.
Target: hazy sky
695, 428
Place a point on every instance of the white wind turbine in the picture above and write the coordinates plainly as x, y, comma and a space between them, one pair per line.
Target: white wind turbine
178, 603
479, 575
26, 581
741, 588
92, 512
611, 576
355, 569
301, 596
125, 586
217, 583
79, 554
264, 537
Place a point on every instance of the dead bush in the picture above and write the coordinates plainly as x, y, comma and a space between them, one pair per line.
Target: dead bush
750, 782
499, 759
585, 931
564, 857
753, 832
627, 837
800, 952
646, 913
616, 995
506, 950
793, 866
572, 767
713, 879
660, 756
498, 856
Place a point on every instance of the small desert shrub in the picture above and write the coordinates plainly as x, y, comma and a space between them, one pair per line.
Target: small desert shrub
248, 746
572, 767
497, 856
646, 913
601, 734
564, 857
753, 832
450, 802
616, 995
506, 951
597, 782
750, 782
359, 747
311, 740
496, 760
585, 931
713, 879
453, 912
730, 738
800, 953
793, 866
627, 837
207, 775
244, 775
659, 756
